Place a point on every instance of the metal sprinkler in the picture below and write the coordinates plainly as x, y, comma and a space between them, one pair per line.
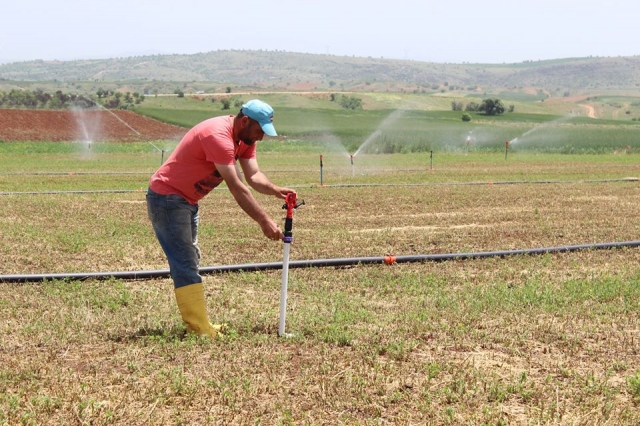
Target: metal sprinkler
290, 205
352, 169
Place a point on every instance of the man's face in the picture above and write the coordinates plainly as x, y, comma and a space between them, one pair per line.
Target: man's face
250, 131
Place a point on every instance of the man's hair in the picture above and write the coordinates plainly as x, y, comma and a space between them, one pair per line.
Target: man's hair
241, 114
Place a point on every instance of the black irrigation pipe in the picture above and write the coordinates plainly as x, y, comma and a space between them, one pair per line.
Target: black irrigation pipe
337, 262
345, 185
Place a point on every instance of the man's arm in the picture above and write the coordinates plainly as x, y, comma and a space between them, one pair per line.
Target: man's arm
259, 181
247, 202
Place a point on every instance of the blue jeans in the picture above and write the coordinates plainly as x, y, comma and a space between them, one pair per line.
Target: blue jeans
175, 223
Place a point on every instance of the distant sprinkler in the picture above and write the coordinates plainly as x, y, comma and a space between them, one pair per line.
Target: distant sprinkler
506, 149
321, 181
352, 170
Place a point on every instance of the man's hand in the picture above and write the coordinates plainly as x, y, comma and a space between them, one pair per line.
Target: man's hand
281, 192
271, 230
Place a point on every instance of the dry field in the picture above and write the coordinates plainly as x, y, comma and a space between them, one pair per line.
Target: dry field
522, 340
64, 125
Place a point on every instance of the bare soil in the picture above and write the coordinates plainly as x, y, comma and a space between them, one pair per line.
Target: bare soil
63, 125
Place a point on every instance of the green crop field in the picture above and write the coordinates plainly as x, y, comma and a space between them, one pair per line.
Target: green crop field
406, 130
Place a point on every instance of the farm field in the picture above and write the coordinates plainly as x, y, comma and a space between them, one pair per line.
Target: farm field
530, 339
82, 125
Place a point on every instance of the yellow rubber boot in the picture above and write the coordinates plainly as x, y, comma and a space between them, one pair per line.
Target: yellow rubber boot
193, 309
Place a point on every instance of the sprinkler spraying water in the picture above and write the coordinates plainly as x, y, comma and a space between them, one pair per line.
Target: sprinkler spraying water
386, 123
353, 173
290, 205
540, 128
119, 119
161, 151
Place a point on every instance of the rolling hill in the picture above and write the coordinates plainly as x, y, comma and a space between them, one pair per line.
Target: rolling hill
278, 70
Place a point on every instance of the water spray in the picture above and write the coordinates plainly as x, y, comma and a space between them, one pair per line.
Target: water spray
290, 205
118, 118
353, 173
162, 152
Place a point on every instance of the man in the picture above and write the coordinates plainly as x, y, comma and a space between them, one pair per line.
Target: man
204, 158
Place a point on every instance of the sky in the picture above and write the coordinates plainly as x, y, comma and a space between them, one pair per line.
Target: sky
451, 31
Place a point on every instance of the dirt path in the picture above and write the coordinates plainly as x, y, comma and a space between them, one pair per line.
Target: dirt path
591, 112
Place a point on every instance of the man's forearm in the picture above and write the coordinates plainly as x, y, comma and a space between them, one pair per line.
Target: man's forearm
261, 183
248, 203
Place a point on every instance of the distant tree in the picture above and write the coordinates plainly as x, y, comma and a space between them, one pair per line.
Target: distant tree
466, 117
332, 97
179, 92
64, 98
351, 102
228, 89
456, 105
512, 108
492, 106
226, 103
43, 98
472, 106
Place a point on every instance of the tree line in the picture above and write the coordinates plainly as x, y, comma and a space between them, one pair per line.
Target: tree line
488, 106
39, 99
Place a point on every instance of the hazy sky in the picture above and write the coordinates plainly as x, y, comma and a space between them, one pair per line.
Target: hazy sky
487, 31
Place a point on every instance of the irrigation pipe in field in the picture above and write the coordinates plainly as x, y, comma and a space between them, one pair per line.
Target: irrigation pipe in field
347, 185
317, 263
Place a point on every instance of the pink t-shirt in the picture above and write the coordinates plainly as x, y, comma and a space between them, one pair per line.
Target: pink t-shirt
190, 170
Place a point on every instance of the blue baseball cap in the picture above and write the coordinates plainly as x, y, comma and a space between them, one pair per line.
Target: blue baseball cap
262, 113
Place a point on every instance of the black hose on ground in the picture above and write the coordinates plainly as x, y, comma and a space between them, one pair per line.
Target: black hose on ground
317, 263
346, 185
